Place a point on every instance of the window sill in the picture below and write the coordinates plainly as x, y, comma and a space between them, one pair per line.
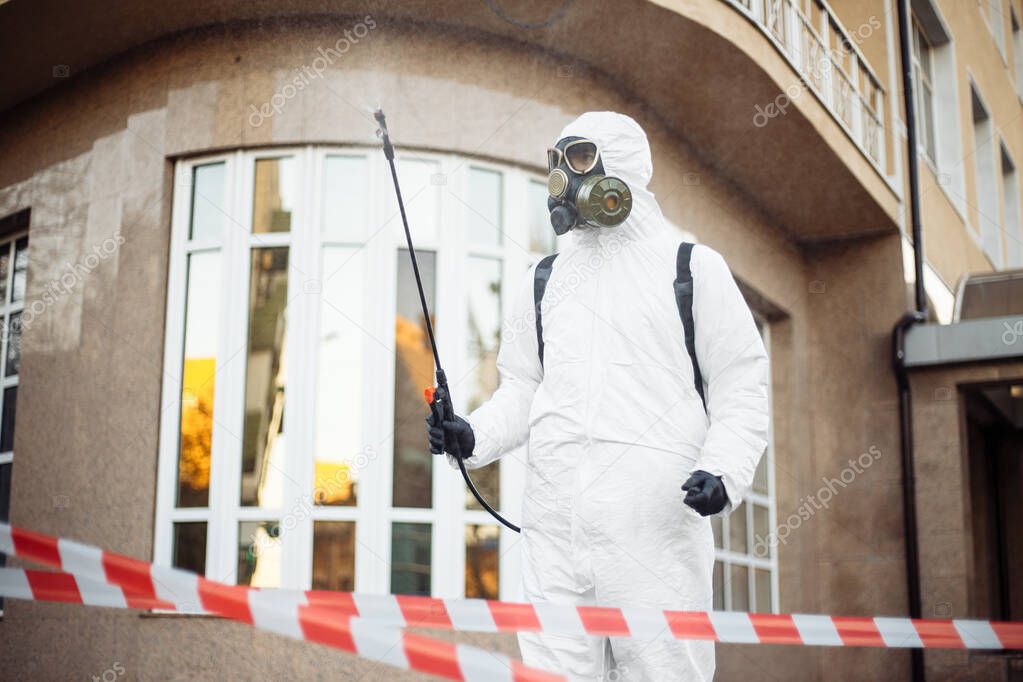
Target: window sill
160, 613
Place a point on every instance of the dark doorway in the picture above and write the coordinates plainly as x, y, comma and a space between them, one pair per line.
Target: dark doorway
994, 423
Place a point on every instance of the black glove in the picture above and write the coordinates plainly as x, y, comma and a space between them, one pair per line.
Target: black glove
453, 437
705, 493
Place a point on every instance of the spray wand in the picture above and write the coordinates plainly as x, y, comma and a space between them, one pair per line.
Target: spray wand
439, 397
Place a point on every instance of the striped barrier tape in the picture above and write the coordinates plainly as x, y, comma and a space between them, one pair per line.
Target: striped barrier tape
95, 577
135, 577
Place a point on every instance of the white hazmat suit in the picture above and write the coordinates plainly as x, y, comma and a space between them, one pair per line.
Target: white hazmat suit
615, 426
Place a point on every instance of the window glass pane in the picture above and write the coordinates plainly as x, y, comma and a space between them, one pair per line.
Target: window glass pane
760, 477
202, 336
740, 587
263, 443
737, 531
413, 371
484, 334
259, 554
274, 194
410, 558
20, 270
7, 421
208, 212
763, 585
345, 197
339, 380
420, 189
482, 559
5, 270
483, 207
715, 525
334, 555
541, 234
761, 532
719, 586
13, 332
190, 546
5, 492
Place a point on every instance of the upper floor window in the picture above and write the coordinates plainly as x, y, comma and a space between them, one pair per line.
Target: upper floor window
293, 451
996, 22
1017, 51
986, 180
923, 72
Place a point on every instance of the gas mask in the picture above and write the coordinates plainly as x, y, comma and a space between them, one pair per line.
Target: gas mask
580, 193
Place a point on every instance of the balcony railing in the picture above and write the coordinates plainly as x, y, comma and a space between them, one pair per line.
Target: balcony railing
829, 62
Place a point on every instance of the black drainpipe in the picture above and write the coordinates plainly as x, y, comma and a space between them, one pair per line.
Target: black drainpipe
919, 314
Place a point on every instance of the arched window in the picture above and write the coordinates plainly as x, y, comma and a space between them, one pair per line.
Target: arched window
293, 451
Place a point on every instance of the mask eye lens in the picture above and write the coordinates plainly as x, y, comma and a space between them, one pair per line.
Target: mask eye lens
581, 156
553, 158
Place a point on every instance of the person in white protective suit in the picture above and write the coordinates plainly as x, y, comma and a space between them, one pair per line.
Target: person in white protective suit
613, 422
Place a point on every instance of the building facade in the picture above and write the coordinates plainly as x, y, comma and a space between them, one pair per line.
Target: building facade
210, 316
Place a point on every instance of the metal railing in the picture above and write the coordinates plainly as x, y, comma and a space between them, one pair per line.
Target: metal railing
829, 62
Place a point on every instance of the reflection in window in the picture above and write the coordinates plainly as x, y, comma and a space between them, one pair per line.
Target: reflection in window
344, 198
7, 420
737, 531
202, 335
208, 213
482, 559
541, 234
484, 207
420, 184
339, 380
740, 588
20, 270
13, 332
190, 546
719, 586
413, 371
274, 194
484, 334
263, 443
410, 558
763, 586
761, 531
259, 554
5, 270
334, 555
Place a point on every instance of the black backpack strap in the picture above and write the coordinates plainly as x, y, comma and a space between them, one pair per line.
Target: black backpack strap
540, 277
684, 300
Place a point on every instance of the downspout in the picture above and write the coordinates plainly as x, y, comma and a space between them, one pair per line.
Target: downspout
915, 316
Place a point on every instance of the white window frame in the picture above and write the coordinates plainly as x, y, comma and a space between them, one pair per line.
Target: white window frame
373, 514
724, 555
8, 242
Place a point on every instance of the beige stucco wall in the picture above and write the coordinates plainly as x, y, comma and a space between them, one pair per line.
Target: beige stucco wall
93, 158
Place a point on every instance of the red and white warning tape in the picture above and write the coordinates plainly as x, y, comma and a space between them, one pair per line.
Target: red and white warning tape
94, 576
100, 578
